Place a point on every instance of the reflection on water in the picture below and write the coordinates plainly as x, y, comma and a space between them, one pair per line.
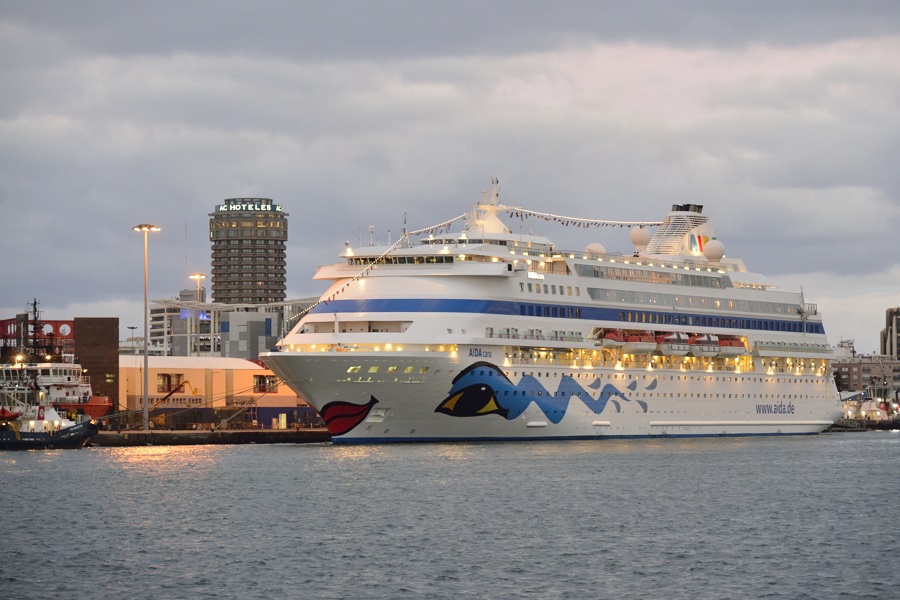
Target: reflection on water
163, 458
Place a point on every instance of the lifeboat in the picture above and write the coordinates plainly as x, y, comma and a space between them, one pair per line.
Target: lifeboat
704, 345
673, 344
8, 415
731, 347
639, 344
614, 338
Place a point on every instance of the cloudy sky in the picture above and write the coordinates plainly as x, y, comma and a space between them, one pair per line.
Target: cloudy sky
781, 118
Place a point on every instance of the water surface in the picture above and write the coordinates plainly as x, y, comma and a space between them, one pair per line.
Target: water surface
804, 517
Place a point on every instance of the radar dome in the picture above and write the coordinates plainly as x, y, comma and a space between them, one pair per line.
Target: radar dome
714, 250
640, 237
596, 248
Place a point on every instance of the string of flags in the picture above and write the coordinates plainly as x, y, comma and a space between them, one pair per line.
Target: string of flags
524, 213
444, 227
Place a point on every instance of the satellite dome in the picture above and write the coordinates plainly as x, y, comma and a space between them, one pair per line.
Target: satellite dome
596, 248
714, 250
640, 237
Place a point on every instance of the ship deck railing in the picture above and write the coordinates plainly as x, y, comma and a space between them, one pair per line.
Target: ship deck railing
792, 347
586, 363
536, 337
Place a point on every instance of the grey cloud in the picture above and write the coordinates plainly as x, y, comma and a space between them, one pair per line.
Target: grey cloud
353, 114
325, 30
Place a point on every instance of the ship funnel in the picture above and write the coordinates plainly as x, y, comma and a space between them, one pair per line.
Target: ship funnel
683, 232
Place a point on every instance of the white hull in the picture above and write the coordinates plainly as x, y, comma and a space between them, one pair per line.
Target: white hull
658, 403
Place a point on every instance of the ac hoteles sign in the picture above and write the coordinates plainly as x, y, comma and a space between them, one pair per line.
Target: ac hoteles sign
248, 205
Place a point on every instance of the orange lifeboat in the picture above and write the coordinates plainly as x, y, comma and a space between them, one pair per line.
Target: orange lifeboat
9, 415
640, 343
613, 338
731, 346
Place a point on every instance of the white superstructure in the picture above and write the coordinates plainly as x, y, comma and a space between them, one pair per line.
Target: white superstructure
485, 334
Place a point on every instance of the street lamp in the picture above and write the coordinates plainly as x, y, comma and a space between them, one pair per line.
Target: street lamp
145, 401
198, 277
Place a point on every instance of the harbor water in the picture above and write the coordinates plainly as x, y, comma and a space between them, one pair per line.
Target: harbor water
803, 517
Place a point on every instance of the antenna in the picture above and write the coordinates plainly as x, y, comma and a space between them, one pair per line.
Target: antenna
185, 251
403, 235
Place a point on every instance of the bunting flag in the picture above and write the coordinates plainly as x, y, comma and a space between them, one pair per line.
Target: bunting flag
444, 227
524, 213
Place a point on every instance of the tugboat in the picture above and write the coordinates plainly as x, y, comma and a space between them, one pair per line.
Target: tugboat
38, 381
40, 427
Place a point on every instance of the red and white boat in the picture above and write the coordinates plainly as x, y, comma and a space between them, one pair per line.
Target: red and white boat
639, 343
612, 338
731, 346
705, 345
673, 344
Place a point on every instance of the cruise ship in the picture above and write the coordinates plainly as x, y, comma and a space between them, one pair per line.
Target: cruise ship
469, 331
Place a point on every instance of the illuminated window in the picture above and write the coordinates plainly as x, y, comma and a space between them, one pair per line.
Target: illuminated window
168, 382
265, 383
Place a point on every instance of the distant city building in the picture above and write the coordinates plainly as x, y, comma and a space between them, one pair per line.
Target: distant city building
227, 330
877, 375
249, 257
890, 335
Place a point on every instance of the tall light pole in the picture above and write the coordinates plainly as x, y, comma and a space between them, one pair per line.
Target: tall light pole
145, 400
198, 277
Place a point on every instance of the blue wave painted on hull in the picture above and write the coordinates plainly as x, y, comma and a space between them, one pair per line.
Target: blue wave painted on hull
483, 388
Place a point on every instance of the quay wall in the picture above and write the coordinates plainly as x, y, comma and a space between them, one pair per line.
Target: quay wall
225, 436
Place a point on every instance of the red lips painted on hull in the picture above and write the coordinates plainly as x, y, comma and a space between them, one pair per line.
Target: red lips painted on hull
341, 417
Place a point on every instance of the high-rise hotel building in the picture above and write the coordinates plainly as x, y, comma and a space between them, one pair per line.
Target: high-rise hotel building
249, 265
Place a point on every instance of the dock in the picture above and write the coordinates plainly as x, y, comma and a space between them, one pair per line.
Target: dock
116, 439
